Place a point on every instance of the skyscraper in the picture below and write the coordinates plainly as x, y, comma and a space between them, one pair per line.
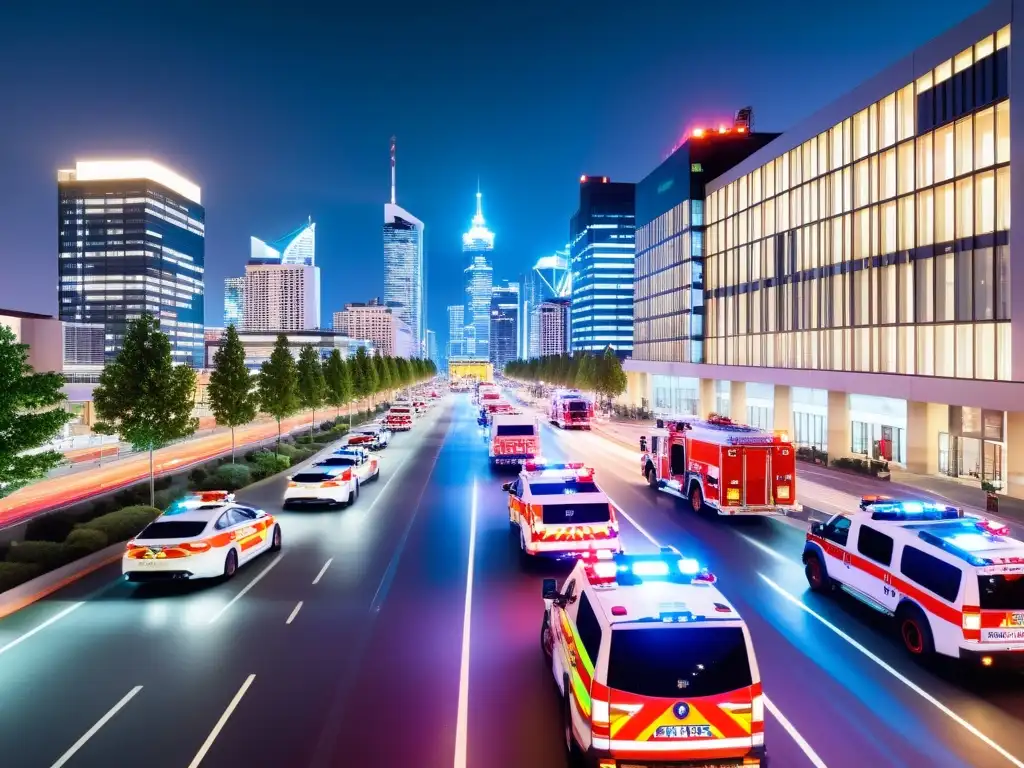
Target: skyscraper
282, 283
504, 323
234, 302
601, 247
431, 345
403, 262
548, 279
132, 240
552, 327
456, 330
477, 245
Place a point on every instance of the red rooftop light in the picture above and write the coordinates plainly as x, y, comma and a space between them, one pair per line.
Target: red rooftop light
698, 133
722, 129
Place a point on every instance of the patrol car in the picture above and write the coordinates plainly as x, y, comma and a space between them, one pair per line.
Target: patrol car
334, 480
200, 541
654, 666
558, 510
954, 583
365, 465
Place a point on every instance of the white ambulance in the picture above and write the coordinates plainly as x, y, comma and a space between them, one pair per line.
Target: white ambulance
954, 583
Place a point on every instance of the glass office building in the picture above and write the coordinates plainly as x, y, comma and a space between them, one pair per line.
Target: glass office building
234, 302
504, 324
477, 245
132, 241
403, 268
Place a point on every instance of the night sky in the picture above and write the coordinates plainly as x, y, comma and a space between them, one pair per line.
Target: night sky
285, 110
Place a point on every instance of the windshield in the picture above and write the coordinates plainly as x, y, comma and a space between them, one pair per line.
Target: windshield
577, 405
312, 477
515, 430
670, 662
172, 529
1002, 593
567, 487
338, 461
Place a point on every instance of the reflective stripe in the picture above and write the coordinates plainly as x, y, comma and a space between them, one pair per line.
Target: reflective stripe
680, 745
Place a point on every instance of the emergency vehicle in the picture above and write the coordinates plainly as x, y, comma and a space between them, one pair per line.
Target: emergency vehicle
558, 510
722, 466
200, 541
378, 437
491, 407
953, 582
399, 418
569, 409
487, 391
514, 438
420, 406
654, 665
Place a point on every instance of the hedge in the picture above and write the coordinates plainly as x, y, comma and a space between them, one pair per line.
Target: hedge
46, 554
229, 477
85, 541
124, 523
266, 464
13, 574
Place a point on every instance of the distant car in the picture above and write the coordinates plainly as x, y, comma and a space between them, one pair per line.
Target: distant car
379, 436
201, 542
364, 465
321, 486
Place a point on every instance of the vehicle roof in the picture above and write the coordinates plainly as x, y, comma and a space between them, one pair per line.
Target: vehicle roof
646, 601
514, 418
204, 514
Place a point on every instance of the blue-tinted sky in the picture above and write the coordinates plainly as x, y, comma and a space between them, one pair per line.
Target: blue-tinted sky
281, 110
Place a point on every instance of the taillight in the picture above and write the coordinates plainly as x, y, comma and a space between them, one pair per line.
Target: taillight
346, 475
195, 546
131, 545
329, 484
971, 623
292, 484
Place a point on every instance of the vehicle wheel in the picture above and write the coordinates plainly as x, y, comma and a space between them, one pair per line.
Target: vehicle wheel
652, 478
275, 541
231, 564
914, 631
817, 576
547, 641
353, 494
697, 499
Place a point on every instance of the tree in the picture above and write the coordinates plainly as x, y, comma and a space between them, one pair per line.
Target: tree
393, 373
29, 417
383, 375
279, 384
232, 393
586, 374
363, 375
143, 396
338, 379
611, 379
312, 385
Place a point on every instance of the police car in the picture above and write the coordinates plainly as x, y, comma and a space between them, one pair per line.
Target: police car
334, 480
374, 437
199, 540
954, 583
557, 509
654, 666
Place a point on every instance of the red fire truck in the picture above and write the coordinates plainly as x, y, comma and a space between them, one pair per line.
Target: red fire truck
719, 465
571, 410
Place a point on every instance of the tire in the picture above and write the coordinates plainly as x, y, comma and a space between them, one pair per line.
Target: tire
275, 541
353, 496
546, 639
652, 477
817, 575
914, 631
697, 499
231, 564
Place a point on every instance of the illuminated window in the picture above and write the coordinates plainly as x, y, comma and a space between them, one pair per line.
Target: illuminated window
943, 72
906, 293
985, 203
1003, 199
985, 351
963, 60
906, 223
944, 358
925, 217
965, 351
926, 350
944, 213
984, 138
905, 112
1003, 37
944, 145
924, 82
984, 48
1003, 131
1003, 351
984, 285
905, 169
945, 288
964, 146
860, 135
861, 189
965, 207
887, 118
888, 225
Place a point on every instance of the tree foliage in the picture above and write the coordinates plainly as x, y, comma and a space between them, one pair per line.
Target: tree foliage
602, 374
312, 386
279, 382
232, 390
338, 380
29, 417
611, 379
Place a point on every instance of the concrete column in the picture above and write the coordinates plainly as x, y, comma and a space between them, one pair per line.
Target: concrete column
782, 410
738, 401
838, 425
1014, 454
706, 397
924, 423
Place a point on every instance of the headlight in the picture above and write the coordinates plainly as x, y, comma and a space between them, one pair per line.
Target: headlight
782, 492
732, 494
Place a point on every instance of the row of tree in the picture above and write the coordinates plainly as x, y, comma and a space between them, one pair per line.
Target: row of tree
602, 374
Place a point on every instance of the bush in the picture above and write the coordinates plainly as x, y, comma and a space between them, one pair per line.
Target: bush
84, 541
198, 477
325, 425
288, 450
13, 574
301, 455
265, 464
229, 477
46, 554
124, 523
304, 440
55, 527
164, 499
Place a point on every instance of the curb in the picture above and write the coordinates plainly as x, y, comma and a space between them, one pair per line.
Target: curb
33, 590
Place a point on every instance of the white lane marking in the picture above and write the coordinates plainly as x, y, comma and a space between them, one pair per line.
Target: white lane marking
905, 680
634, 523
221, 723
462, 721
323, 570
246, 588
294, 613
794, 734
766, 549
99, 724
53, 619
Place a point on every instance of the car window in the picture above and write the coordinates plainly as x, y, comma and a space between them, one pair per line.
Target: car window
838, 530
246, 513
930, 572
874, 545
172, 529
224, 521
517, 487
589, 628
237, 517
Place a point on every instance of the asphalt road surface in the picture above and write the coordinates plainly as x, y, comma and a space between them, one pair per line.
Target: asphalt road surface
351, 648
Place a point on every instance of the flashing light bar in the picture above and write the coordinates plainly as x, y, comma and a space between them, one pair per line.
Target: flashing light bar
913, 510
993, 528
539, 465
634, 569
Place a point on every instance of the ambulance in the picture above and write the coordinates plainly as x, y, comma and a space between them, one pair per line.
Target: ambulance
558, 510
953, 583
569, 409
721, 466
654, 666
514, 438
399, 418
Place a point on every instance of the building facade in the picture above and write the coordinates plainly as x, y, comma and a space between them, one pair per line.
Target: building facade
404, 277
857, 283
477, 247
234, 302
282, 283
259, 346
552, 327
601, 236
132, 241
548, 279
433, 353
378, 323
456, 330
504, 324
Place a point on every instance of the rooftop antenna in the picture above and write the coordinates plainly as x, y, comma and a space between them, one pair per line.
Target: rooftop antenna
479, 203
393, 170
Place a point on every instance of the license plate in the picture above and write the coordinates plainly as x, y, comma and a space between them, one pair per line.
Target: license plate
146, 563
683, 732
1003, 635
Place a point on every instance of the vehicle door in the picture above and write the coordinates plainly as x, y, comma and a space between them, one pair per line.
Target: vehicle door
247, 532
836, 534
563, 619
516, 505
587, 645
871, 552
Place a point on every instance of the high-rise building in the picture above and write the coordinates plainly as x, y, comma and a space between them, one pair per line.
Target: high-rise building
456, 330
234, 302
477, 245
432, 351
282, 283
403, 262
132, 240
552, 327
504, 323
548, 279
601, 262
380, 324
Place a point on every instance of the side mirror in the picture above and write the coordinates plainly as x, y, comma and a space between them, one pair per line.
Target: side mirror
550, 590
817, 528
507, 487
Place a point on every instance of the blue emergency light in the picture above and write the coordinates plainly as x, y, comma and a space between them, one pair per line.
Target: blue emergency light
913, 510
636, 569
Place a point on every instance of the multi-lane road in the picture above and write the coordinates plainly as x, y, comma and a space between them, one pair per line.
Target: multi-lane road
403, 632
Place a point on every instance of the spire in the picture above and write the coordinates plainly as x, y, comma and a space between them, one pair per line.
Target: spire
393, 170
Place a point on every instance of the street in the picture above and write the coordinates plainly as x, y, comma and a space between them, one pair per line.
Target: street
351, 647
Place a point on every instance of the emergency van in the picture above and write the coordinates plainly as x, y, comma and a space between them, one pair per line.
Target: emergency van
654, 666
718, 465
954, 583
491, 407
514, 438
558, 510
570, 410
399, 418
